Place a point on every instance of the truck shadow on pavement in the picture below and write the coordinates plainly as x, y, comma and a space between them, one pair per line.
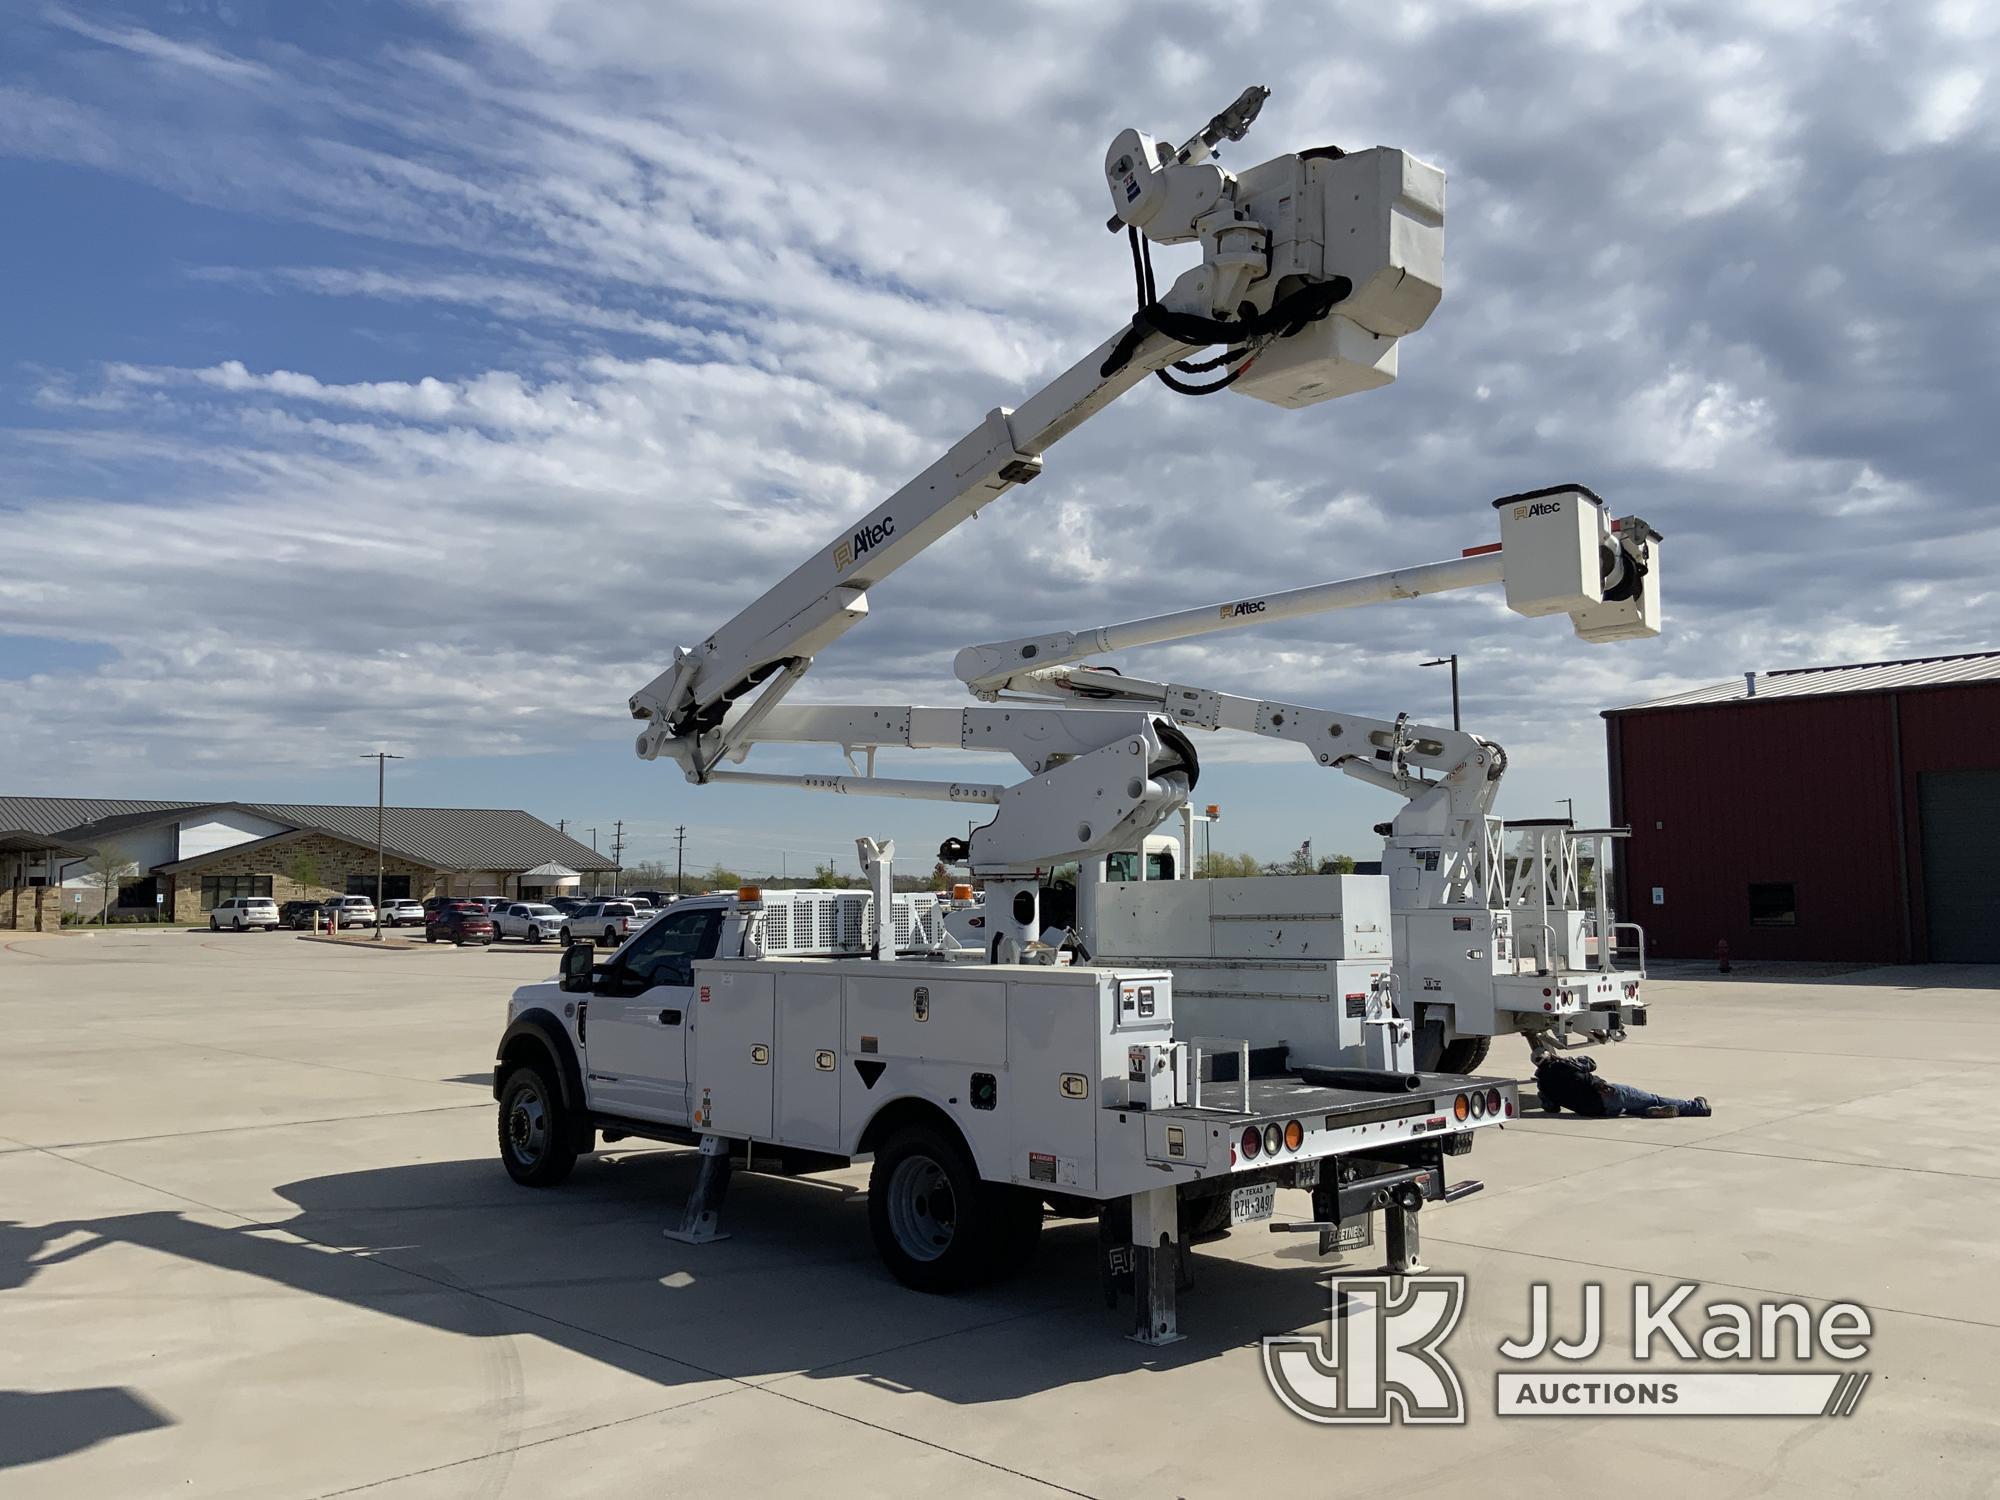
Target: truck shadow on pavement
36, 1426
795, 1292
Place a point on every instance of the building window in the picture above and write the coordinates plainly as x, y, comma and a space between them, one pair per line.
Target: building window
216, 889
394, 887
1773, 903
138, 894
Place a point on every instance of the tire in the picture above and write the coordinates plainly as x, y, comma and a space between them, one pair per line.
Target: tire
1549, 1106
534, 935
937, 1227
567, 940
611, 937
1207, 1216
1465, 1054
213, 925
1436, 1055
430, 937
273, 927
535, 1130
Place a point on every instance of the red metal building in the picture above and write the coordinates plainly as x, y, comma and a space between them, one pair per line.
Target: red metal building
1845, 813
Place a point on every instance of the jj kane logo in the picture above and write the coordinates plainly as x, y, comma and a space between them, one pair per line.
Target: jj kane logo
1382, 1358
1539, 508
868, 537
1238, 611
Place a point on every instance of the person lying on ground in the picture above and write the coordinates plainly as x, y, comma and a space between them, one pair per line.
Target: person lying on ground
1567, 1082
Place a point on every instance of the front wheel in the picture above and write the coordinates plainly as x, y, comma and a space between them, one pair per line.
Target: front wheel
535, 1129
937, 1227
534, 934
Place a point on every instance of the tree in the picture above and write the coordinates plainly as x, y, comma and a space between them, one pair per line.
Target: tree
1337, 864
108, 865
721, 878
826, 878
301, 868
1213, 866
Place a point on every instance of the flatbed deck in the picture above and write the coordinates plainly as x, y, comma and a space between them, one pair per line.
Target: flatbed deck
1289, 1098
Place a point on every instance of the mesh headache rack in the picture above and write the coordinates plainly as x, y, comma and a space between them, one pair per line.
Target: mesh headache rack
834, 924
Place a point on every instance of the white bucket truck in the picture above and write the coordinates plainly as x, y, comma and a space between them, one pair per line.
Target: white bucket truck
986, 1094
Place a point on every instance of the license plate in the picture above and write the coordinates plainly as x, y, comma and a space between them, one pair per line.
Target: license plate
1253, 1203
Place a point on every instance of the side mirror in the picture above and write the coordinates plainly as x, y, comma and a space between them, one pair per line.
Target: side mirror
577, 962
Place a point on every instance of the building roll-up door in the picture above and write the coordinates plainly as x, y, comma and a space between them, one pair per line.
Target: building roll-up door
1960, 815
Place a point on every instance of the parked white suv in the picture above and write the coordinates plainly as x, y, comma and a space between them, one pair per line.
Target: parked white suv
404, 913
531, 921
241, 913
608, 922
353, 911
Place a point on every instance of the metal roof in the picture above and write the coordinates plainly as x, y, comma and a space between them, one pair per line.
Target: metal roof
25, 841
1828, 682
445, 838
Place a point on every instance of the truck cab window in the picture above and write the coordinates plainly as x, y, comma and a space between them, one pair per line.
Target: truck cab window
665, 953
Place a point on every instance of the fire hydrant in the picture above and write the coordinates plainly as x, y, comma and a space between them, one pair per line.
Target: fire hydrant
1722, 955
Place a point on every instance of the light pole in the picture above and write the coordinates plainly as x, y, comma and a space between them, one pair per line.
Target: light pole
1570, 803
381, 759
1452, 662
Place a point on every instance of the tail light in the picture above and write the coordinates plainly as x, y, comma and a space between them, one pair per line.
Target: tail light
1253, 1142
1461, 1107
1493, 1101
1478, 1102
1274, 1138
1295, 1135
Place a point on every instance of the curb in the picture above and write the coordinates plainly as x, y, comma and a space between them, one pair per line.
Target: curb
365, 945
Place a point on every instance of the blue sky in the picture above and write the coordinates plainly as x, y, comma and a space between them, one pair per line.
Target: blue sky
419, 375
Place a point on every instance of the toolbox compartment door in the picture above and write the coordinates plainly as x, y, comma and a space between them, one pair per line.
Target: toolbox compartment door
733, 1050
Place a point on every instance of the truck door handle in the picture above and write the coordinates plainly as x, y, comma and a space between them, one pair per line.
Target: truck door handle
670, 1018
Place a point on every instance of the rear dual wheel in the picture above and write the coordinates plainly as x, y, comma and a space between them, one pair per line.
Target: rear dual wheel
936, 1225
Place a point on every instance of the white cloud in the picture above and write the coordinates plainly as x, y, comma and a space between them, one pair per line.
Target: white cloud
641, 313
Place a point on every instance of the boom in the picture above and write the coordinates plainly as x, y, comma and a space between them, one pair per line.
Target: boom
1312, 267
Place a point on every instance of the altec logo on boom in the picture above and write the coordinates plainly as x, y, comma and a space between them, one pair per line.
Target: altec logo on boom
847, 553
1382, 1358
1238, 611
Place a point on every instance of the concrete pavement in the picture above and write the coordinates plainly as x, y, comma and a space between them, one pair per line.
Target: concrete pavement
254, 1240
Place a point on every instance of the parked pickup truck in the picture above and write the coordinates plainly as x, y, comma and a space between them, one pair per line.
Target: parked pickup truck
609, 922
985, 1093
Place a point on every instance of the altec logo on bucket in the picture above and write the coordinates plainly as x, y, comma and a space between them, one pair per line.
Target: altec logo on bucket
1539, 508
1382, 1357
